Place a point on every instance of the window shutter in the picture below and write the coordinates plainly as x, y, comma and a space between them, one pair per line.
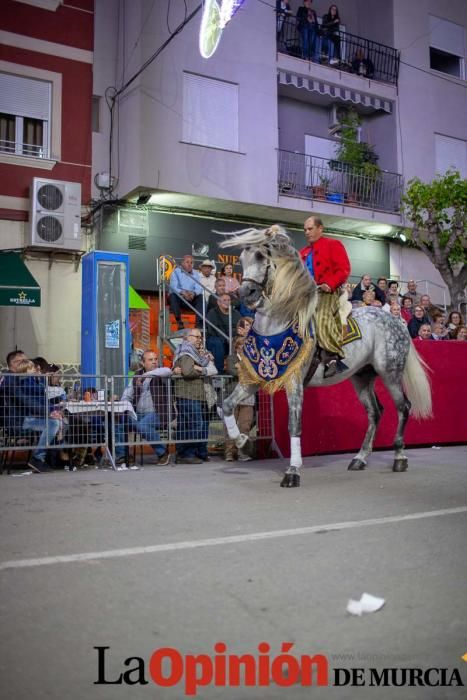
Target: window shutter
210, 112
447, 36
450, 153
25, 97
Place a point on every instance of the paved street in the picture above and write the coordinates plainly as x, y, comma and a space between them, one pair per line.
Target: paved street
161, 572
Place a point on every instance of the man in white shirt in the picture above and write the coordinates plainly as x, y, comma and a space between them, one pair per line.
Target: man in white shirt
185, 288
208, 278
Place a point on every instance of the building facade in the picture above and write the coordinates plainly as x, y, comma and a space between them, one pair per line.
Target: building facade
183, 145
46, 56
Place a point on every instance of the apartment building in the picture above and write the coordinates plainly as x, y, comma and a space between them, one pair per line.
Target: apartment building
46, 55
185, 145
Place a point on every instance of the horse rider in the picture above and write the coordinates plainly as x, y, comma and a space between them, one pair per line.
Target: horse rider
328, 263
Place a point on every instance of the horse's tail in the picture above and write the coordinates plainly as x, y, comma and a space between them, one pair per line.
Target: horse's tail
416, 384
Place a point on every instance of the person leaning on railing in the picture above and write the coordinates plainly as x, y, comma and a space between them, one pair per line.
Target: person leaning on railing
149, 395
195, 365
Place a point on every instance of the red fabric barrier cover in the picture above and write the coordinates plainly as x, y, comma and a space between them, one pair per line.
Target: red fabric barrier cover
335, 421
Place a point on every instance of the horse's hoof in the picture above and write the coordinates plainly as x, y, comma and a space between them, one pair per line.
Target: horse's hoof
356, 465
241, 440
290, 481
400, 465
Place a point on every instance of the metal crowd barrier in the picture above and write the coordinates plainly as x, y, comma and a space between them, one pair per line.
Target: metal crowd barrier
83, 421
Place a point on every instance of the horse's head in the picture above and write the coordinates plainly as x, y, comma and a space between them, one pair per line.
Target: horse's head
260, 247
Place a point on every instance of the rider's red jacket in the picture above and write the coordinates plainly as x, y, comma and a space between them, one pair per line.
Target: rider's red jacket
331, 263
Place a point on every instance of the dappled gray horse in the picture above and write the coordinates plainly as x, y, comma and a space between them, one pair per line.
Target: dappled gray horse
277, 285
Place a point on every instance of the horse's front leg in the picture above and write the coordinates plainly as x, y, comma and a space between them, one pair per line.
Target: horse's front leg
240, 393
295, 401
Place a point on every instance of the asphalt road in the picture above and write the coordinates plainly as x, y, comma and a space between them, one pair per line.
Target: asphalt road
188, 556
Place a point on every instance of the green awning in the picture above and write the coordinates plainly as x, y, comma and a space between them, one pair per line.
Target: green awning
135, 301
17, 286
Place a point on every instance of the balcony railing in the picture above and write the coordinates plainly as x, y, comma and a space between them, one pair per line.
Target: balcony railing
344, 51
23, 149
322, 179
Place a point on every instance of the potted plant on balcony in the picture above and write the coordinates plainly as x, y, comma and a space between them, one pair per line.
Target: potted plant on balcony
356, 159
319, 191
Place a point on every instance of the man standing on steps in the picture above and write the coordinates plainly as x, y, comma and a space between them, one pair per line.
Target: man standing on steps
328, 263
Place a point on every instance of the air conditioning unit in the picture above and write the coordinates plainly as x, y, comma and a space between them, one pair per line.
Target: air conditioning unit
55, 220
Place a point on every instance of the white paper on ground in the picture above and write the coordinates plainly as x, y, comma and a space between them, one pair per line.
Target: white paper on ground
367, 603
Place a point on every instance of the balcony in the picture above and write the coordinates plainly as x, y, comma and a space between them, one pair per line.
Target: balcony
320, 179
352, 54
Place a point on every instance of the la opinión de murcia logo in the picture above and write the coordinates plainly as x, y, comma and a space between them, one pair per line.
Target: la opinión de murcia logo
168, 667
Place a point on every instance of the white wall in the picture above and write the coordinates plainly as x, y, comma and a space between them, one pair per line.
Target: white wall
52, 330
429, 102
151, 152
409, 263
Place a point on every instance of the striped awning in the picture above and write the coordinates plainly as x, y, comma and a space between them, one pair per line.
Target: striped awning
338, 92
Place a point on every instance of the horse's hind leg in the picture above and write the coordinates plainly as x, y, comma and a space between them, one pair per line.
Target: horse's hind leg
295, 401
364, 384
394, 387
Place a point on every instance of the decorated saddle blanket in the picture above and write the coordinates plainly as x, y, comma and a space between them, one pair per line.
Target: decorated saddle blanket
273, 361
351, 331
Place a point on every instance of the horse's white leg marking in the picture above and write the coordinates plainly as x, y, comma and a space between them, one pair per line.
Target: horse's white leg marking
295, 452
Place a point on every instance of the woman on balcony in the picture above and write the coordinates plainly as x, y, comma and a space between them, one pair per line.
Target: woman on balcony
307, 25
330, 33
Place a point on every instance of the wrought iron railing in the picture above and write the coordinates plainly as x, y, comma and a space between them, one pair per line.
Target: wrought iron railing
344, 51
311, 177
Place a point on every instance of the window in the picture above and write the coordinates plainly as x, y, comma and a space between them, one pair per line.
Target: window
96, 107
447, 47
210, 112
25, 106
450, 153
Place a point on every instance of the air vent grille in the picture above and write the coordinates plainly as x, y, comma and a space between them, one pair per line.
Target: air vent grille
49, 229
50, 197
137, 242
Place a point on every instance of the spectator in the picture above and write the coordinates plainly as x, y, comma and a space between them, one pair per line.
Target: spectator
308, 28
431, 311
406, 310
364, 285
148, 393
192, 408
361, 65
185, 287
27, 404
369, 299
208, 278
424, 332
244, 411
219, 289
412, 292
54, 390
393, 292
419, 319
231, 284
438, 331
395, 310
460, 333
454, 321
330, 34
219, 317
382, 284
283, 11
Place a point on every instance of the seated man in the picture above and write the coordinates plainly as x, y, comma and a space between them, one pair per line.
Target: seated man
361, 65
412, 292
208, 278
28, 408
185, 287
215, 342
148, 393
431, 311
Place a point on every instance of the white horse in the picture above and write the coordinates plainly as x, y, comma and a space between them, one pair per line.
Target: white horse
277, 285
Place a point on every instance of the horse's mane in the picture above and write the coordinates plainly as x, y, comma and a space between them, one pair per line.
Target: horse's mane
293, 292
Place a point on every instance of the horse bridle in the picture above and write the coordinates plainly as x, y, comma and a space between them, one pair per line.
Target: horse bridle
261, 285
